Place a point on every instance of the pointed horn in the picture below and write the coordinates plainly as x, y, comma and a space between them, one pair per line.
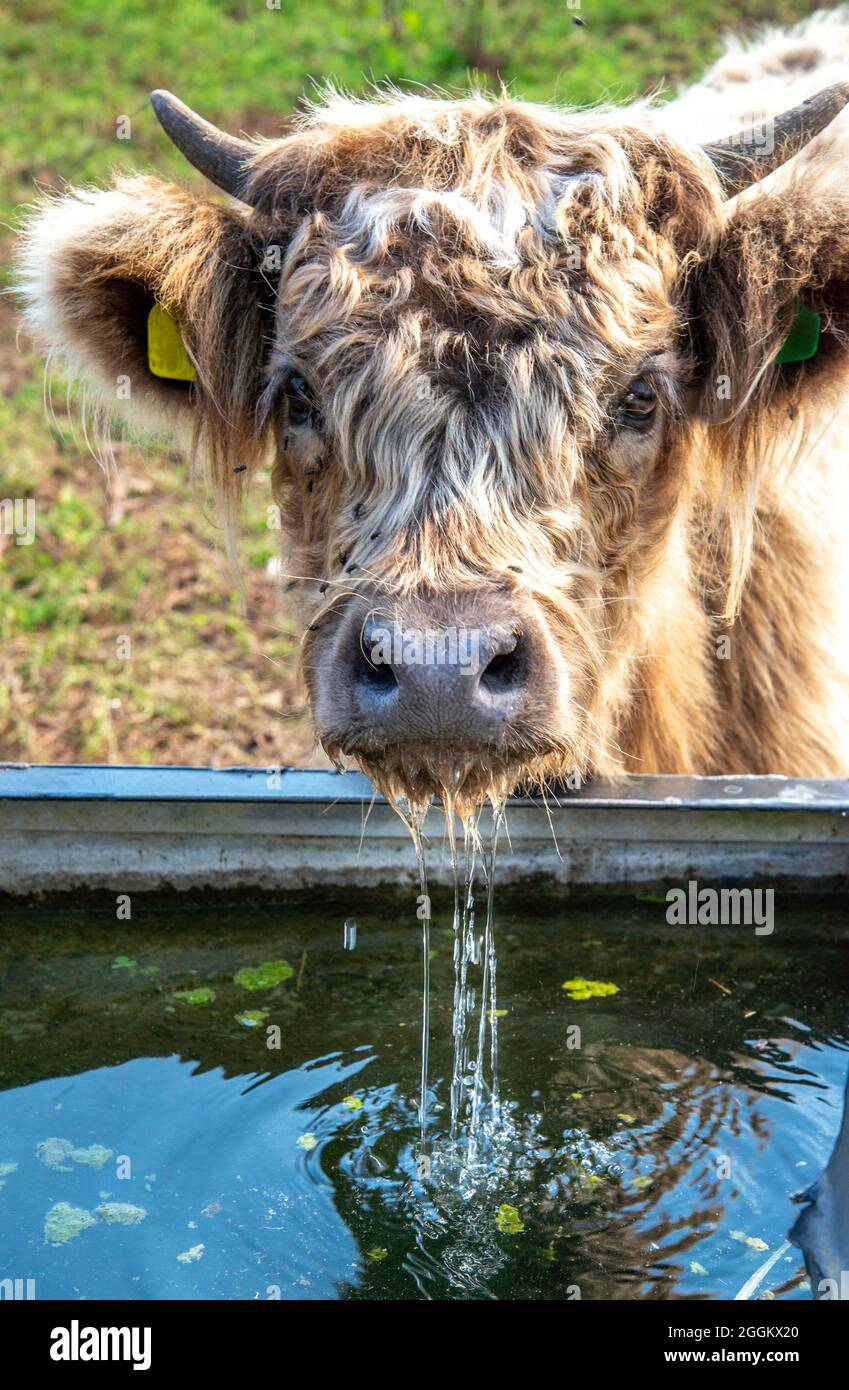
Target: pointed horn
221, 158
740, 161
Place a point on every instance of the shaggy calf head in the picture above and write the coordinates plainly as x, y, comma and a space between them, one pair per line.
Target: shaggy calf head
482, 342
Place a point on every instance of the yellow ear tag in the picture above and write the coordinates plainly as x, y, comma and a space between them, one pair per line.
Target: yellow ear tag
166, 355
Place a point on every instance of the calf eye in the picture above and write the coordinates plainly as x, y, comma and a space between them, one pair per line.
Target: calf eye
299, 403
636, 408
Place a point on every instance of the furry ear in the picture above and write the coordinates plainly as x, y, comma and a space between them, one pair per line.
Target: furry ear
779, 254
91, 266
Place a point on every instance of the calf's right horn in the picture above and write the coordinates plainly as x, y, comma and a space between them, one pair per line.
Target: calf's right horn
737, 158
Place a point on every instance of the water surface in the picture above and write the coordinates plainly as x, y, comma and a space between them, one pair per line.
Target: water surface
655, 1160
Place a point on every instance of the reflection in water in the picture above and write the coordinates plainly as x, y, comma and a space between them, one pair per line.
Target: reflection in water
822, 1229
214, 1163
655, 1161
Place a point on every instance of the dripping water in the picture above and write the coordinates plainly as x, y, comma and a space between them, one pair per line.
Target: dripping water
475, 1110
483, 1103
423, 912
464, 950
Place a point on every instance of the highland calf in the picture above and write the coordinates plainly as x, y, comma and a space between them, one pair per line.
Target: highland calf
572, 381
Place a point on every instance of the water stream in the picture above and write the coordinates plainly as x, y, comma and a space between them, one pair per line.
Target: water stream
474, 1092
423, 912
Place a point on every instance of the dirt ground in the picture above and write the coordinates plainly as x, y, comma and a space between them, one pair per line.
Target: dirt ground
199, 681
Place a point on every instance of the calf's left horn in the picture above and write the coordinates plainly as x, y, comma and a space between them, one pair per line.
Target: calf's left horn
221, 158
738, 160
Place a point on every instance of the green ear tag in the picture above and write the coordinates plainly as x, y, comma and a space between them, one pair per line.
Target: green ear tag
804, 337
166, 355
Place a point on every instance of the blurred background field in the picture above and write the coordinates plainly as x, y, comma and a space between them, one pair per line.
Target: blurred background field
206, 684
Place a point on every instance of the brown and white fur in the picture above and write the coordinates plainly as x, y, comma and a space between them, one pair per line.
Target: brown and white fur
468, 287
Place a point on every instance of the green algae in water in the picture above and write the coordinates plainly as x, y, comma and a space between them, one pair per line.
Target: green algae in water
65, 1222
581, 989
754, 1242
196, 997
93, 1157
121, 1213
265, 976
53, 1153
252, 1018
508, 1221
187, 1257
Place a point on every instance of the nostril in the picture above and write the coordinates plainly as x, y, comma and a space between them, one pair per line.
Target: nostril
377, 676
506, 672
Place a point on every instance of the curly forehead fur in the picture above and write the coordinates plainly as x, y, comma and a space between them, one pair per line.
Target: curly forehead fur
468, 321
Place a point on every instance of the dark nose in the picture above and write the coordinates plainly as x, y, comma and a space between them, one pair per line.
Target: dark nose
461, 683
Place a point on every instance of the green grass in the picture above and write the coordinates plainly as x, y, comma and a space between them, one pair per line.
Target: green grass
70, 68
204, 683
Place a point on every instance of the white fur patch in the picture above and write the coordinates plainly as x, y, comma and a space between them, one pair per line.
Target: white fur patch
371, 218
51, 233
762, 76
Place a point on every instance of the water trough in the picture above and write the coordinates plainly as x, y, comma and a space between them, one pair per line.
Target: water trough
139, 828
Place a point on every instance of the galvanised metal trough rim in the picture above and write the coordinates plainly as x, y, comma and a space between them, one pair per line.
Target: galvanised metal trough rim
125, 829
136, 782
